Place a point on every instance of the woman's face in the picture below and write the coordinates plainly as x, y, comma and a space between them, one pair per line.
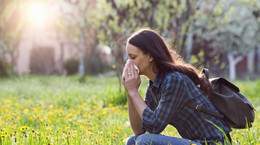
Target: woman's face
141, 60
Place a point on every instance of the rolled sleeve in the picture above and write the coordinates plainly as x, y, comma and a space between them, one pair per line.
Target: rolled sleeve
172, 97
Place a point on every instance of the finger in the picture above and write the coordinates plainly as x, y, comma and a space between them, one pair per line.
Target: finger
128, 69
126, 72
135, 73
132, 69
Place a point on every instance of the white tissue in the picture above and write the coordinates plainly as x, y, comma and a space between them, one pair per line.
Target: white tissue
136, 68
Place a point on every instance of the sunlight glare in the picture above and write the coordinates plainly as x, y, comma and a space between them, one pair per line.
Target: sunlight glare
37, 14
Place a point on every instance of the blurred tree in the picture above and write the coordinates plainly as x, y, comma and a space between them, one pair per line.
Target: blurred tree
11, 24
254, 7
81, 29
116, 20
231, 28
227, 26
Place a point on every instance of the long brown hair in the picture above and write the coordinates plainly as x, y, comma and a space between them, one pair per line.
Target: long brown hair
165, 59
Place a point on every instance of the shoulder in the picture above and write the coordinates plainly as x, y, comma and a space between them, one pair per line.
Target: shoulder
173, 79
174, 76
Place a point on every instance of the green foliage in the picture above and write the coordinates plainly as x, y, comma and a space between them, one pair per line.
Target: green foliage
230, 26
94, 64
114, 97
11, 24
71, 66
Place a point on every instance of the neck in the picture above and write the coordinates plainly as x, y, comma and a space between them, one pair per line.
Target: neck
151, 76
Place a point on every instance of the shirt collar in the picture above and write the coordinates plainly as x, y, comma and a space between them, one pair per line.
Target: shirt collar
158, 79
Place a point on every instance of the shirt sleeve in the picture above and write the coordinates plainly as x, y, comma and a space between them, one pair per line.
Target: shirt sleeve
148, 99
172, 99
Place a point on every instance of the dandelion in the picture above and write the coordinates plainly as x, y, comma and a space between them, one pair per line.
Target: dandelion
25, 111
120, 127
38, 133
74, 136
48, 128
114, 135
104, 111
6, 111
82, 127
47, 137
125, 106
114, 109
65, 136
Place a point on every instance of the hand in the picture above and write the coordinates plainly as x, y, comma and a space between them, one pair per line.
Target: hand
132, 79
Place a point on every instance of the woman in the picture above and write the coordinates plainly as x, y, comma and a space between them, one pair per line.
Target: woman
172, 84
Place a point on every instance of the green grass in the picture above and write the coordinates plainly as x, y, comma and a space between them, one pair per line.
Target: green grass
61, 110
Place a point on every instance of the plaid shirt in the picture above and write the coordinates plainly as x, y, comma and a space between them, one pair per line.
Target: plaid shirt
166, 99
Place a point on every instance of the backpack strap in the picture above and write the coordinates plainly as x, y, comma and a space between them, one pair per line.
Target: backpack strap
204, 110
205, 71
199, 108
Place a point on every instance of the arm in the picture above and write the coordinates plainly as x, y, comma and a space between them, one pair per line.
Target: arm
131, 84
135, 120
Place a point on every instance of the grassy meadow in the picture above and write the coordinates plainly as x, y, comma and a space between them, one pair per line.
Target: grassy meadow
61, 110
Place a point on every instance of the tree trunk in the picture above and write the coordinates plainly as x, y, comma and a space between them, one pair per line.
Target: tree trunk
3, 69
119, 76
62, 58
250, 62
189, 46
258, 59
81, 68
118, 71
232, 61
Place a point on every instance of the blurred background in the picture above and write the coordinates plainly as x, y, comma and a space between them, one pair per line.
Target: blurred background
88, 37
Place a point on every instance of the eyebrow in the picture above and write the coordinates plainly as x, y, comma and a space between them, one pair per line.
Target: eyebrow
131, 54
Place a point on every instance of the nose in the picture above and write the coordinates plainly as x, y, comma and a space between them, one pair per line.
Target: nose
131, 60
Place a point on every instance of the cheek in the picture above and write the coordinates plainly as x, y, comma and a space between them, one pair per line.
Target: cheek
142, 65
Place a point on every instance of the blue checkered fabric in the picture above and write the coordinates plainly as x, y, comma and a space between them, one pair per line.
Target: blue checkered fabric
166, 99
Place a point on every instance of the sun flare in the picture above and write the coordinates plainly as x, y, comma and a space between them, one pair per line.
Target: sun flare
37, 14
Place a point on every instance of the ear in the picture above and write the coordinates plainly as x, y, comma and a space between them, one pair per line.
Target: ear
150, 58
